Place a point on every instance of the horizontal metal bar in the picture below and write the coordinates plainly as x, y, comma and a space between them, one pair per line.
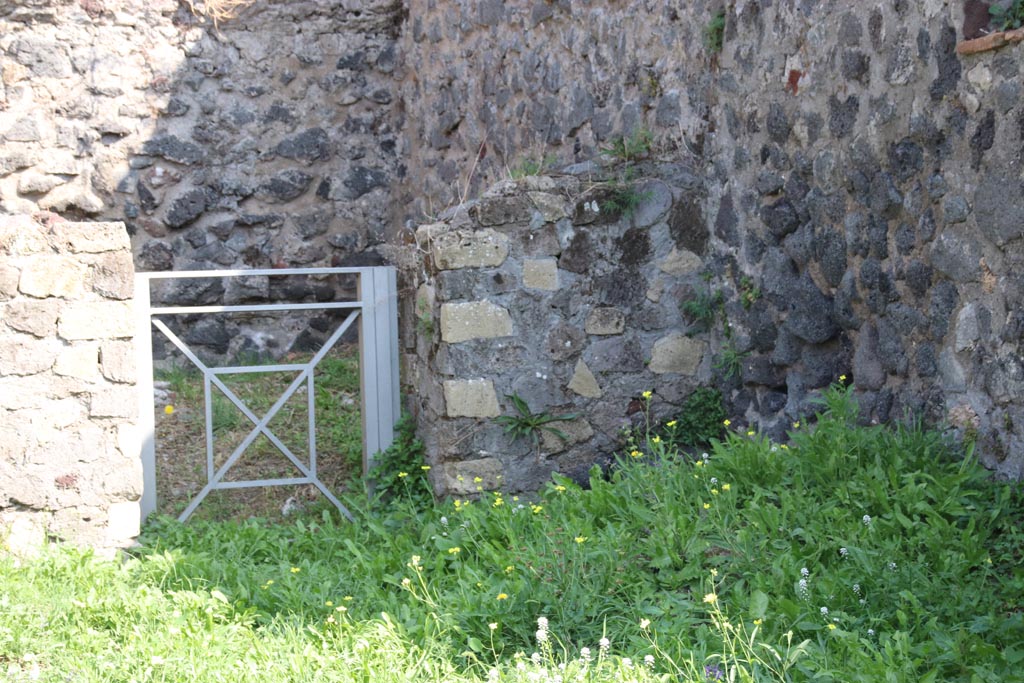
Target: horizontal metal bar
253, 483
267, 272
245, 369
253, 308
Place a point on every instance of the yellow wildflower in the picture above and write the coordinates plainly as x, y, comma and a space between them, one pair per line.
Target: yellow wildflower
425, 468
329, 603
169, 409
707, 506
726, 487
403, 475
509, 569
493, 625
671, 423
710, 598
296, 570
726, 422
502, 596
536, 509
635, 454
796, 425
647, 395
831, 627
714, 492
477, 480
758, 622
656, 439
714, 572
842, 378
581, 539
751, 432
454, 551
560, 488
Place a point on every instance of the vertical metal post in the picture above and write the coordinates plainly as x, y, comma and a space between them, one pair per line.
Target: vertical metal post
144, 387
367, 363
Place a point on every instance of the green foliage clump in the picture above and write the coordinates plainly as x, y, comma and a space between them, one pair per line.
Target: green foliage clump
703, 309
631, 148
400, 471
730, 360
714, 33
525, 423
700, 420
1008, 16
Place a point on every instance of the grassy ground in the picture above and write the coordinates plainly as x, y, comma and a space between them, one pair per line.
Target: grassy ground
853, 554
181, 444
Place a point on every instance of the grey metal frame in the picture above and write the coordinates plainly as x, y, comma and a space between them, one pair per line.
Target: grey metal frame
376, 308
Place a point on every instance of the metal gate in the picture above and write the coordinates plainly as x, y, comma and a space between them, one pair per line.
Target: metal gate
376, 310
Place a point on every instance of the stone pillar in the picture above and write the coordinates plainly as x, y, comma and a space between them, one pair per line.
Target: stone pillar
69, 455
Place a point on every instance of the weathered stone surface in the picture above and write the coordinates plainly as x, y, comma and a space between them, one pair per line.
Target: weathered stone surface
113, 275
116, 401
469, 477
469, 249
680, 262
53, 275
552, 208
96, 320
470, 398
583, 381
575, 431
88, 238
605, 320
27, 356
80, 360
38, 318
9, 277
615, 354
998, 219
540, 274
310, 145
677, 353
474, 320
117, 361
124, 520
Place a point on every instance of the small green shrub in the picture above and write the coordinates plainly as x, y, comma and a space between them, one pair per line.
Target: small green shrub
529, 424
714, 33
624, 199
701, 418
631, 148
531, 166
730, 360
702, 309
1008, 17
749, 292
400, 471
424, 320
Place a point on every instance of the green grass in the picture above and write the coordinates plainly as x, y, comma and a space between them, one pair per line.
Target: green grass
851, 554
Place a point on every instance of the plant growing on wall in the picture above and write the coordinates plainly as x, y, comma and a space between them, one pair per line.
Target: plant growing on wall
714, 33
702, 309
630, 148
525, 423
1009, 16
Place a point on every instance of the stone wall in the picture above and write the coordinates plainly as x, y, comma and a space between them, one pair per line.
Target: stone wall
69, 453
493, 85
270, 140
858, 178
868, 179
862, 179
542, 290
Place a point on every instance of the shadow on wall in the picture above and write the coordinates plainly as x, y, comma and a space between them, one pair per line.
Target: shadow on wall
268, 140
